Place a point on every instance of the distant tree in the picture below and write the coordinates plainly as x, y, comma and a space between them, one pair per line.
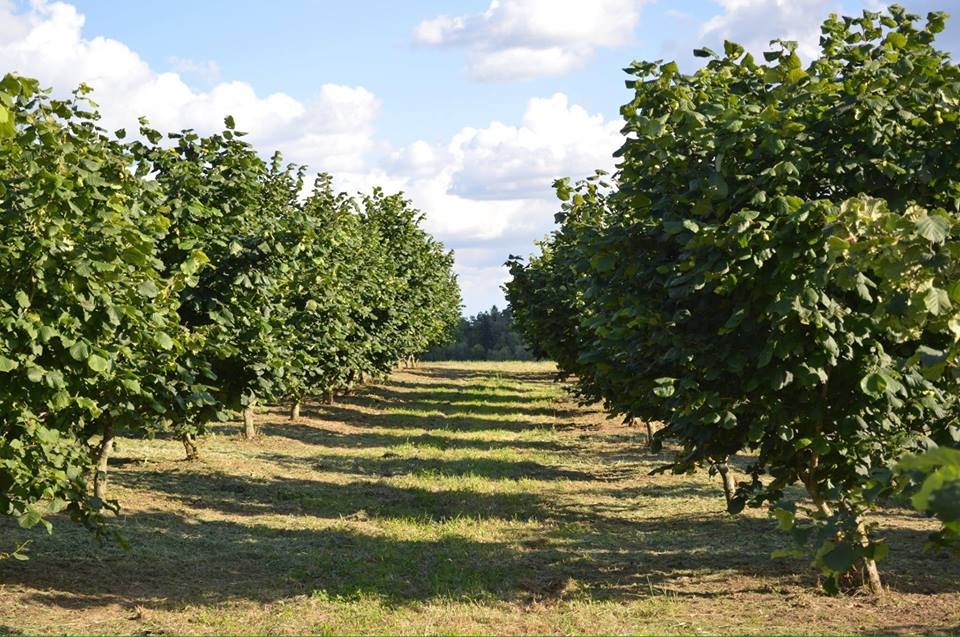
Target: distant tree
488, 335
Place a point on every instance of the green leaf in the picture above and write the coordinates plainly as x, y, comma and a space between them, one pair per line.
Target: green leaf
936, 301
60, 400
785, 518
840, 558
736, 318
163, 340
79, 351
931, 459
88, 404
873, 384
7, 126
877, 551
148, 288
97, 363
897, 40
732, 49
29, 519
664, 391
34, 374
191, 266
22, 299
933, 228
7, 364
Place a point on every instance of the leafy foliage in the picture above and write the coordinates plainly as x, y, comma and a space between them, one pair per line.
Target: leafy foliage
422, 301
223, 197
88, 318
156, 284
776, 270
937, 473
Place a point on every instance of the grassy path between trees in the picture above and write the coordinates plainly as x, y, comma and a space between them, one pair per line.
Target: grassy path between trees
455, 498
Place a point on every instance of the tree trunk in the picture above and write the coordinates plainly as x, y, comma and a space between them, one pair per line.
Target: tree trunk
649, 433
729, 484
871, 575
295, 411
249, 428
103, 457
330, 396
190, 446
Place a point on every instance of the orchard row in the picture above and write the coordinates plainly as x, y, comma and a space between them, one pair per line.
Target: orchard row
156, 284
774, 272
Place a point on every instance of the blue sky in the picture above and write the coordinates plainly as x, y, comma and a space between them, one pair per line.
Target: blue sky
472, 108
295, 46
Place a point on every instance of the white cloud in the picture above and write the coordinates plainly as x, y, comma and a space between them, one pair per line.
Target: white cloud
753, 23
481, 286
208, 71
555, 139
522, 39
494, 183
334, 129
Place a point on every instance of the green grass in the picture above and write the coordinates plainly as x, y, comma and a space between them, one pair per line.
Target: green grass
455, 498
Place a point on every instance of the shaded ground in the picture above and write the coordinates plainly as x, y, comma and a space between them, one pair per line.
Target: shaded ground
456, 498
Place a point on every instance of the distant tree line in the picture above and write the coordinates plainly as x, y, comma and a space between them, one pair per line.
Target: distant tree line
487, 336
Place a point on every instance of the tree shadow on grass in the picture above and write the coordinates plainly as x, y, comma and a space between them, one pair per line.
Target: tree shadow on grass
514, 393
675, 490
451, 401
488, 375
178, 559
427, 421
313, 435
188, 557
392, 464
246, 496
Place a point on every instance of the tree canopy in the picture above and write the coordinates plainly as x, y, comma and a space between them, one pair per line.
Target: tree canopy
155, 284
774, 270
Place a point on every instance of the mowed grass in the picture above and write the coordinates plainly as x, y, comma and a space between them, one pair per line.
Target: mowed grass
455, 498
